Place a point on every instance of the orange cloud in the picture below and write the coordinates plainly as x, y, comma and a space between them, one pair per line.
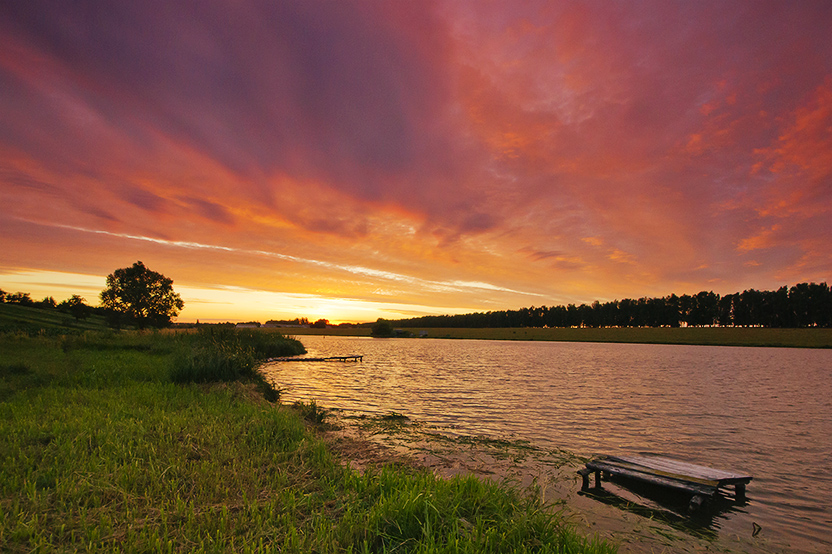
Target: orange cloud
764, 239
400, 153
806, 145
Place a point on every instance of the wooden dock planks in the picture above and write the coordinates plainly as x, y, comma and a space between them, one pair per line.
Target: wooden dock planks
354, 358
681, 469
700, 481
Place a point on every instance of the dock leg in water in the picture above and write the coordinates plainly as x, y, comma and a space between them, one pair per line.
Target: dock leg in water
584, 473
695, 503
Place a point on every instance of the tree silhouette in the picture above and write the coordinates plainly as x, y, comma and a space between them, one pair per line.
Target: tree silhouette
46, 303
22, 298
144, 296
382, 328
76, 306
803, 305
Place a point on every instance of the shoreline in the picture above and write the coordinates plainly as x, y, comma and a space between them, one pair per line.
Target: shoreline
93, 426
633, 524
617, 514
765, 337
102, 448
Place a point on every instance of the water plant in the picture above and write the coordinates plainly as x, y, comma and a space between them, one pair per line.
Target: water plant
311, 412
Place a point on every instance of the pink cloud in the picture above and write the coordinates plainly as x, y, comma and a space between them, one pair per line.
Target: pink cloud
447, 141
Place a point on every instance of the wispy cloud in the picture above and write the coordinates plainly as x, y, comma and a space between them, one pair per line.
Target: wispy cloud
493, 151
356, 270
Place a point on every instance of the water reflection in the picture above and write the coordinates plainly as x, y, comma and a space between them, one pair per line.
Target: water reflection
758, 410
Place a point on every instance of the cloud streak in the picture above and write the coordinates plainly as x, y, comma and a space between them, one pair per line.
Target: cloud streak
447, 153
453, 286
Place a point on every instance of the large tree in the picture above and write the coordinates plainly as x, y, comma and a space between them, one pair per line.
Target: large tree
144, 296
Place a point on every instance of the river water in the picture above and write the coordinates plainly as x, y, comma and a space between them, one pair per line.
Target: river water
763, 411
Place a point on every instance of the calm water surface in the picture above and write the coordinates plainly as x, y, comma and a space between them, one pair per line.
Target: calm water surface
764, 411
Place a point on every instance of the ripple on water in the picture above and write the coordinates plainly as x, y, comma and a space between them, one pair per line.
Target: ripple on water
761, 410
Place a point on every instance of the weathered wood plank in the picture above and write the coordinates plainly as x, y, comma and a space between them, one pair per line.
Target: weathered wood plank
356, 358
687, 486
677, 467
700, 481
652, 471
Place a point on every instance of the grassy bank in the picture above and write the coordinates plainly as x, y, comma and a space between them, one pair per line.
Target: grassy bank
100, 450
714, 336
15, 318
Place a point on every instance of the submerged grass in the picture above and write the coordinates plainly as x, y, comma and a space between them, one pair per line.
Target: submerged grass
437, 448
100, 451
311, 412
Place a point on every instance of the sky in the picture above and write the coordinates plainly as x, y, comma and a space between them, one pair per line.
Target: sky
351, 160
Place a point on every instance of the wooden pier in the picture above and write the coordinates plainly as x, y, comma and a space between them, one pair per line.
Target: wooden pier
699, 481
354, 358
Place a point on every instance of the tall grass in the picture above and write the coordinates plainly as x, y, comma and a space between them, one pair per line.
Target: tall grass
423, 513
108, 455
218, 354
263, 343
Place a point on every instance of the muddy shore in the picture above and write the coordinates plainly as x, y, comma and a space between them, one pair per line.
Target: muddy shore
636, 524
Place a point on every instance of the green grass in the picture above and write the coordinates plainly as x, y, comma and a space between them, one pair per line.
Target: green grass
712, 336
217, 354
100, 451
32, 321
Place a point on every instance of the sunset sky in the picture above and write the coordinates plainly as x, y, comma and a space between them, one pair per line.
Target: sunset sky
352, 160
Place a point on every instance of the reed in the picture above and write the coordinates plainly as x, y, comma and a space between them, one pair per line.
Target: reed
311, 412
217, 354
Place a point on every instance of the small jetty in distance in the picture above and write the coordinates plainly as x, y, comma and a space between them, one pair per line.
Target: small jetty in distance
353, 358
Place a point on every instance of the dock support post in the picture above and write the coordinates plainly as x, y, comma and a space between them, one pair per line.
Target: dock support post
739, 490
584, 473
695, 503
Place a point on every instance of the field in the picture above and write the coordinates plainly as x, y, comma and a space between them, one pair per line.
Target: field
34, 321
101, 451
17, 318
716, 336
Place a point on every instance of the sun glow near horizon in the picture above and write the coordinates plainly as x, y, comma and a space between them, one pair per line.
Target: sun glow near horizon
457, 157
224, 303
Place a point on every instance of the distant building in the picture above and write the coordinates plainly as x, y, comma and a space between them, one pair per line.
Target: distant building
249, 325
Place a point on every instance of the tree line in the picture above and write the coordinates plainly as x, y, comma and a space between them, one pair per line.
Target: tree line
134, 295
76, 305
803, 305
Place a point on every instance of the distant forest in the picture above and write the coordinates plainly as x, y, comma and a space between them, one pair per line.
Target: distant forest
803, 305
